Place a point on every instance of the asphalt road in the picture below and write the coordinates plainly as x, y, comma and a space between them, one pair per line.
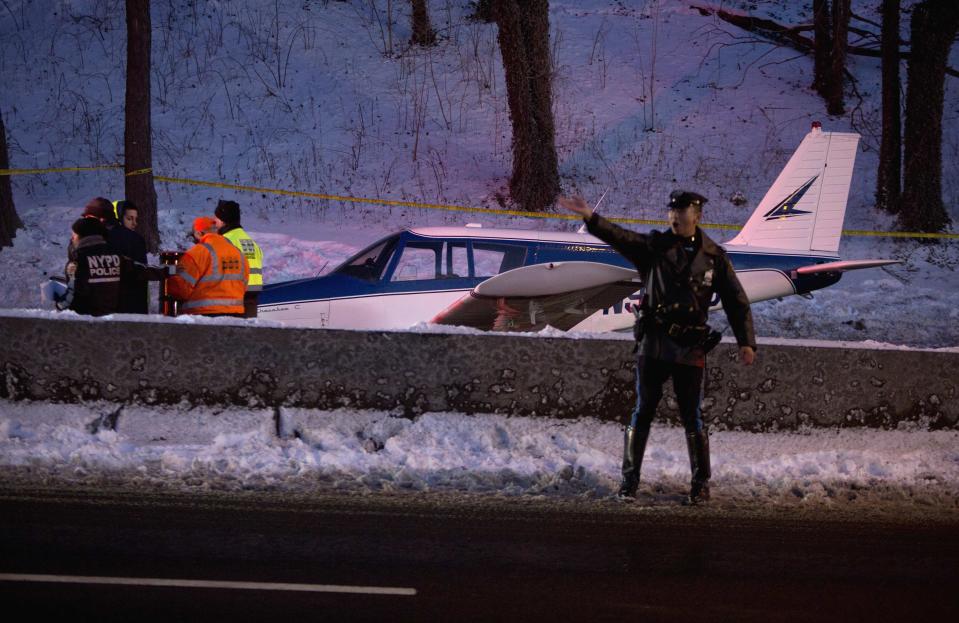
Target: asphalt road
102, 555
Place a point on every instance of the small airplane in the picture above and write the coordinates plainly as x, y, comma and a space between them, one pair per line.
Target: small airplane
521, 280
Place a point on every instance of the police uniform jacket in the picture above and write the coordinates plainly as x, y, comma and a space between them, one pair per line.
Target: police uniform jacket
94, 289
679, 288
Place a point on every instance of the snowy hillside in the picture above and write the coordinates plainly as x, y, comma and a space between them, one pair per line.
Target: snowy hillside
320, 96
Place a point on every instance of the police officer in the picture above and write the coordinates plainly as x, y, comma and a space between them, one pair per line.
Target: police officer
227, 215
681, 270
98, 273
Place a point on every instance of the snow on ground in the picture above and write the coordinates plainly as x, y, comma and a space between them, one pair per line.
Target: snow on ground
361, 452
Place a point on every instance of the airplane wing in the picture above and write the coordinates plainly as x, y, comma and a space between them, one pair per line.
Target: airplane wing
558, 294
843, 266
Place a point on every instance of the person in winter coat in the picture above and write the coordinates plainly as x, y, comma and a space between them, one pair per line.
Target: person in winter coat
97, 272
681, 270
122, 234
227, 215
134, 297
99, 209
211, 276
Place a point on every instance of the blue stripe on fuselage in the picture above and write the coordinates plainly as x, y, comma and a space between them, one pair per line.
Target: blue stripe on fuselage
339, 286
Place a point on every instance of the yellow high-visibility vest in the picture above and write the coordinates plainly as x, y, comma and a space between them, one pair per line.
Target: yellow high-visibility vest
254, 256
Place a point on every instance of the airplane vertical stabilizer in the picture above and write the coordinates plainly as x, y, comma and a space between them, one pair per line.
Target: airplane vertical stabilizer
805, 208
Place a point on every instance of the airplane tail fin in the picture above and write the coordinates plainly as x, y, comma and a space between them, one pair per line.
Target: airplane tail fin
804, 209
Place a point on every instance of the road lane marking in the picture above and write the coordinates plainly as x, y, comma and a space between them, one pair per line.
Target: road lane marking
181, 583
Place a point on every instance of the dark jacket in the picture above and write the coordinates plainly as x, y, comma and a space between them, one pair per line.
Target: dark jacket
134, 293
679, 288
94, 289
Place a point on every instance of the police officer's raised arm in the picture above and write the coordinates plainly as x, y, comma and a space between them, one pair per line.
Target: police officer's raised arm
576, 204
630, 244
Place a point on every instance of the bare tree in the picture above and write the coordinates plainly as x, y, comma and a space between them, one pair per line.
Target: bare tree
9, 220
888, 186
823, 45
482, 11
524, 45
423, 33
841, 12
137, 145
934, 26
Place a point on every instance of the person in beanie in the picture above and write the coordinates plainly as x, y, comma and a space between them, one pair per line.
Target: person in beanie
227, 215
681, 269
211, 276
99, 209
97, 273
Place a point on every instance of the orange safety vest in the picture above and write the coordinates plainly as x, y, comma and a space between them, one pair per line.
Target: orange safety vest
210, 278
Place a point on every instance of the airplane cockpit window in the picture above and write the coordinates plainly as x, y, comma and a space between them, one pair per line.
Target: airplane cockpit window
369, 263
490, 258
432, 259
417, 262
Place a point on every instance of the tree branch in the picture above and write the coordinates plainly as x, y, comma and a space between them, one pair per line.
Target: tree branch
790, 35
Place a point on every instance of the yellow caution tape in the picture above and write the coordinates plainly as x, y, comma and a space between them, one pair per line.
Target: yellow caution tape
457, 208
57, 170
439, 206
899, 234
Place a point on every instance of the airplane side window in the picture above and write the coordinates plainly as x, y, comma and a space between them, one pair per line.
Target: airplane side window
492, 259
418, 262
456, 262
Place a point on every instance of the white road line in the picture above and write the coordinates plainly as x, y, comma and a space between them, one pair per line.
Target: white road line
246, 586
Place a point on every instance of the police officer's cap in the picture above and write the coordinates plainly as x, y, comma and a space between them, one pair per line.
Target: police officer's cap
679, 199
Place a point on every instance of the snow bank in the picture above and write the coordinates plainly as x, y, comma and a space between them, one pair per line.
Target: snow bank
373, 451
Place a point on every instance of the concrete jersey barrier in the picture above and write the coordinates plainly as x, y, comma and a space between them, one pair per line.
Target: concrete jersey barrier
147, 362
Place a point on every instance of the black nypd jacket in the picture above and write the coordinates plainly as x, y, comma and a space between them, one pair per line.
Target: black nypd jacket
101, 271
679, 288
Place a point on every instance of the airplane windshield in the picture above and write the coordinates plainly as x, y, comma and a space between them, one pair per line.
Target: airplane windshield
369, 263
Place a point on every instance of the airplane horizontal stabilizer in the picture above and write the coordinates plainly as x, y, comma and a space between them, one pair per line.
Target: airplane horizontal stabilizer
843, 266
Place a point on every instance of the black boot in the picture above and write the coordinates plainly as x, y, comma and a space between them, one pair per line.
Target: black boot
634, 446
698, 446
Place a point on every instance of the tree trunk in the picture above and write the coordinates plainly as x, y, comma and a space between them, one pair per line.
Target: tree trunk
823, 46
423, 33
137, 146
9, 220
482, 11
934, 26
524, 45
837, 57
888, 187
